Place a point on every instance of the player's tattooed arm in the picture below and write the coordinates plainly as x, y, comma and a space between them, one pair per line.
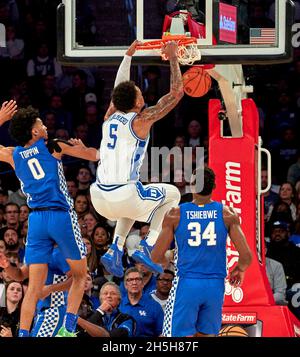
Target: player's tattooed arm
147, 117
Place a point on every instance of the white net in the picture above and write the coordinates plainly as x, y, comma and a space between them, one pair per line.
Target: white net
187, 54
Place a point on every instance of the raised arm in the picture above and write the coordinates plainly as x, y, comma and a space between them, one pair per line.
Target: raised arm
144, 120
232, 221
7, 111
123, 74
166, 236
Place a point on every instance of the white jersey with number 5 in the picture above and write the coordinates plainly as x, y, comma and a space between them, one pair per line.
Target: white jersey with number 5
121, 151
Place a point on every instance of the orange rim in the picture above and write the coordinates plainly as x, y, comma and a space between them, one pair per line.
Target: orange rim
157, 44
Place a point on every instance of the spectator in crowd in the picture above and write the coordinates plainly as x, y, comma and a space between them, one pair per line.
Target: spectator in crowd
149, 280
163, 287
101, 239
147, 312
277, 280
108, 320
10, 314
285, 252
194, 133
90, 220
91, 255
14, 46
84, 178
72, 186
2, 246
88, 288
81, 205
43, 64
24, 213
12, 213
144, 230
11, 240
3, 197
287, 194
293, 174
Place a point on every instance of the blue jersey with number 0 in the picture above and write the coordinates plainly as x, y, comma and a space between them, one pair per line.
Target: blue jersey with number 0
42, 177
201, 241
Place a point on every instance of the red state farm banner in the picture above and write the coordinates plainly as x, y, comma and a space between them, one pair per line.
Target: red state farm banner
234, 161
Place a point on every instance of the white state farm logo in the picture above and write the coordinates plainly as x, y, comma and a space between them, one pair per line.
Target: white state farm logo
233, 199
236, 293
239, 317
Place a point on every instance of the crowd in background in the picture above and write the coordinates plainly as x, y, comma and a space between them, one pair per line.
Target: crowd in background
71, 102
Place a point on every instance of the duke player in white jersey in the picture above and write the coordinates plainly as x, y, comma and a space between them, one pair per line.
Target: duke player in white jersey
52, 218
117, 193
200, 229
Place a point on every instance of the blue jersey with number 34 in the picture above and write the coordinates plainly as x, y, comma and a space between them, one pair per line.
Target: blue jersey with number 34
201, 241
42, 177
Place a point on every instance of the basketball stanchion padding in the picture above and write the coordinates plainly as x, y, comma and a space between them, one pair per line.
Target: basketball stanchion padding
196, 82
233, 331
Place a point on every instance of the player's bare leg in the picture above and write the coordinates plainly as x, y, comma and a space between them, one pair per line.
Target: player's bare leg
37, 278
78, 271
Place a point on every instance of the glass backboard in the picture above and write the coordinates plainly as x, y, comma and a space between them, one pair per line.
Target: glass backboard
233, 31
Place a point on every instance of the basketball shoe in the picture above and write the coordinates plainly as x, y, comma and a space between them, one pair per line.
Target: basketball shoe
112, 261
63, 332
142, 255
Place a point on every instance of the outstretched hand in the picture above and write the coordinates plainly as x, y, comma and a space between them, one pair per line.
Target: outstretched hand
7, 111
132, 48
170, 49
76, 142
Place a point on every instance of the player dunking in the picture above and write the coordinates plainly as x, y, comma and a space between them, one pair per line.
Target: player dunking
118, 194
200, 228
53, 219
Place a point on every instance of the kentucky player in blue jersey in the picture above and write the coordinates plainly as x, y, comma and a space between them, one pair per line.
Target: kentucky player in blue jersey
51, 308
200, 228
53, 219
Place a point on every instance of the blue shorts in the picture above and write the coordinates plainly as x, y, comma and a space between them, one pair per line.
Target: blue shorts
194, 305
48, 322
45, 228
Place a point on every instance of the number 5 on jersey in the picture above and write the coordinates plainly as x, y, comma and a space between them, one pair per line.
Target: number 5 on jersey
113, 135
196, 236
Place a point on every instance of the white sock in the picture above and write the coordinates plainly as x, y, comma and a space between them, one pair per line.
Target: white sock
120, 241
151, 237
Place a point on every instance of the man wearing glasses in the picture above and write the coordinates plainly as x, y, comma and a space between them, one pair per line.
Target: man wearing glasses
163, 286
147, 313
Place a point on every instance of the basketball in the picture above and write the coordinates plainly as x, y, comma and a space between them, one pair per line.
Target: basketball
196, 82
233, 331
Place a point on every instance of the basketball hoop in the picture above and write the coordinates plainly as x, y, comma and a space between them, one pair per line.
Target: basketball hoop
188, 52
